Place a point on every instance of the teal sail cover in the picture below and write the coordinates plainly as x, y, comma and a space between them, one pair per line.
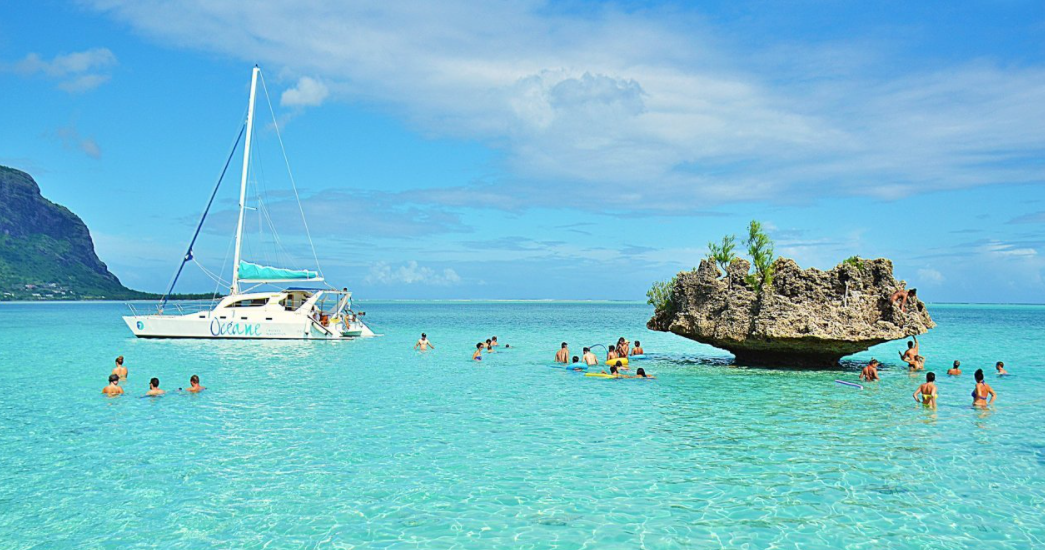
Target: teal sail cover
255, 272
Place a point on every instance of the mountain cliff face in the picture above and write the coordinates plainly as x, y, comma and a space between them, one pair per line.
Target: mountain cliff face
807, 318
46, 251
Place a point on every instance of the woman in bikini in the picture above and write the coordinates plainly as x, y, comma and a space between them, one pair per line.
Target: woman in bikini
982, 391
926, 393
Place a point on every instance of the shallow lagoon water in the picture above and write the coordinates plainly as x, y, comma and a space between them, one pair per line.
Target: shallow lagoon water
368, 444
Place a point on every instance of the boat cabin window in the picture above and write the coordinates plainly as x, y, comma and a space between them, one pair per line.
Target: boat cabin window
294, 301
253, 302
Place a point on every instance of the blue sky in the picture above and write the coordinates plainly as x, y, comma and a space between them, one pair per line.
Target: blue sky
534, 150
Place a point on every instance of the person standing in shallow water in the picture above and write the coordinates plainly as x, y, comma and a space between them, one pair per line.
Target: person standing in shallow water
120, 370
982, 391
910, 356
589, 357
956, 369
113, 389
194, 385
637, 350
154, 388
1000, 367
478, 355
926, 393
424, 343
870, 372
563, 355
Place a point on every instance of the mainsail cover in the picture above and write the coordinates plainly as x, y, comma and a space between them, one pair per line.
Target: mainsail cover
255, 272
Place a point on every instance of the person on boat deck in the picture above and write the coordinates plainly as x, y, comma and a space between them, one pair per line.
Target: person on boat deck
154, 388
926, 393
870, 372
912, 352
637, 350
493, 339
113, 389
424, 343
120, 370
589, 357
902, 296
563, 355
478, 355
194, 385
1001, 368
956, 369
982, 391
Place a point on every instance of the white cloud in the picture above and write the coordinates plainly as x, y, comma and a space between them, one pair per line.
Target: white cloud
411, 273
930, 276
643, 106
307, 93
78, 71
70, 138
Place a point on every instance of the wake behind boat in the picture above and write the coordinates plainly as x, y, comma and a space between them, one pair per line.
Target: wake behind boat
287, 313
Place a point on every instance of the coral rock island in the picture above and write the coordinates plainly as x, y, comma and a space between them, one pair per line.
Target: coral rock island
805, 318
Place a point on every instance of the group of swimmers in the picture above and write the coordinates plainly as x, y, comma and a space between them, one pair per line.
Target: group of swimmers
119, 374
614, 353
983, 394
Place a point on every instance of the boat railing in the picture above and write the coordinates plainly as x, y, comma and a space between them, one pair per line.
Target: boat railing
180, 307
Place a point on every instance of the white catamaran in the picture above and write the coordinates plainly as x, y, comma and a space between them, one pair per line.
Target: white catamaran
288, 313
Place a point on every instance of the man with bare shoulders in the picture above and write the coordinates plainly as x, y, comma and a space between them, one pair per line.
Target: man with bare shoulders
956, 369
120, 370
154, 388
113, 389
424, 343
870, 372
911, 354
589, 357
194, 385
563, 355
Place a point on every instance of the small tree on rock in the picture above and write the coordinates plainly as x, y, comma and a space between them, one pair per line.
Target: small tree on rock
722, 254
760, 248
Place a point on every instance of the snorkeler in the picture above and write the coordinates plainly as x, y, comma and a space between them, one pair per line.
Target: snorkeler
113, 389
194, 385
926, 393
424, 343
154, 388
1000, 367
563, 355
982, 391
956, 369
589, 357
637, 350
120, 370
870, 372
902, 296
912, 352
478, 355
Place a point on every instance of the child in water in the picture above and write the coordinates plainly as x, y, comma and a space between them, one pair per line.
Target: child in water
926, 393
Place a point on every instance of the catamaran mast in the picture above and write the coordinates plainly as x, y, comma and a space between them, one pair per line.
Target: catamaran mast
243, 179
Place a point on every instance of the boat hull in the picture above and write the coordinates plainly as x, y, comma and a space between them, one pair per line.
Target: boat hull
190, 326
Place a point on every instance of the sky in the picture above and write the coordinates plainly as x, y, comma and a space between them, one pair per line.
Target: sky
536, 150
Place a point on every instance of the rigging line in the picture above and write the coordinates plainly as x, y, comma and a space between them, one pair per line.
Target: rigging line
213, 277
228, 248
291, 174
188, 252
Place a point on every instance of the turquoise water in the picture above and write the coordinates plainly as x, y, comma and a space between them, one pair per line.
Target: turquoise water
368, 444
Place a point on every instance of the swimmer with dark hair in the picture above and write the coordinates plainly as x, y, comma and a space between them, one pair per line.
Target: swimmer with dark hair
194, 385
926, 393
909, 356
424, 343
489, 344
589, 357
576, 359
611, 353
641, 373
154, 388
955, 370
113, 389
982, 391
1000, 367
870, 372
563, 355
637, 350
120, 370
478, 355
493, 339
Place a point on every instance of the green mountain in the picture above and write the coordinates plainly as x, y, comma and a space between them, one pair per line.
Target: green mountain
46, 251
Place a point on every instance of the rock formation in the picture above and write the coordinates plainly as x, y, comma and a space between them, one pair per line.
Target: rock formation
807, 318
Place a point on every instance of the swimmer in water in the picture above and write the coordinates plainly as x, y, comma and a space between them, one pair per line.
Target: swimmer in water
1000, 367
563, 355
493, 339
194, 385
637, 350
956, 369
478, 355
424, 343
489, 344
912, 351
623, 347
154, 388
113, 389
611, 354
919, 363
614, 370
120, 370
870, 372
589, 357
982, 391
641, 372
926, 393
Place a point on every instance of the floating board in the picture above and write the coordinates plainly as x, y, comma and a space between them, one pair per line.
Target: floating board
844, 383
